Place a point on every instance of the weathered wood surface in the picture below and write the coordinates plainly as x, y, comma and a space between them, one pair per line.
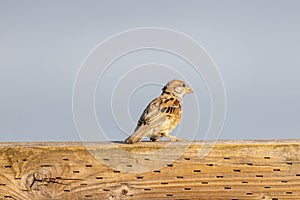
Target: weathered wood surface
232, 170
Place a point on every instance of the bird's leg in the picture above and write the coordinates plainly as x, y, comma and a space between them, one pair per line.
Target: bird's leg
155, 138
174, 139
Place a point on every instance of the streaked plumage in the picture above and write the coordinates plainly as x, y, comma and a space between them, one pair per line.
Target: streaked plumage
162, 115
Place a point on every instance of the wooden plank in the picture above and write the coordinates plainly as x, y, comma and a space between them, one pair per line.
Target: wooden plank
231, 170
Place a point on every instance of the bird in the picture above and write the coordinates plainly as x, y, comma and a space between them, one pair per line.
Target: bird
162, 114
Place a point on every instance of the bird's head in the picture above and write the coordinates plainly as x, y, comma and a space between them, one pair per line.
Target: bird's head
177, 88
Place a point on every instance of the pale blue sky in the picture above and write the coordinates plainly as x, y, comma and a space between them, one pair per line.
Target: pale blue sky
254, 43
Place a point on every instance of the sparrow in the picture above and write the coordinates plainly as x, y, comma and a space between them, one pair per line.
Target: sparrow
162, 114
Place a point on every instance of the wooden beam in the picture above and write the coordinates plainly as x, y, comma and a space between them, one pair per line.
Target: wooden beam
231, 170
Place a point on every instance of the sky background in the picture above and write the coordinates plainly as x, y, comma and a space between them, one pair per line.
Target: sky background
254, 43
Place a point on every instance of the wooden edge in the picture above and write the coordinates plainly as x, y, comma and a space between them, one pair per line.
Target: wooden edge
149, 144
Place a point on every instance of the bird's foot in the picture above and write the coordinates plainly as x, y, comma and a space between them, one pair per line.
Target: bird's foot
155, 139
175, 139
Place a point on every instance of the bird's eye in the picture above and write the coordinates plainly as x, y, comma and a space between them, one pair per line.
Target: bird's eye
183, 85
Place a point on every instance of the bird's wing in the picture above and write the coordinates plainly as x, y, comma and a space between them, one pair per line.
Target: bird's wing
153, 117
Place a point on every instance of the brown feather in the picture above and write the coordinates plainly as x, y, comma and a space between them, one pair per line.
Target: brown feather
162, 115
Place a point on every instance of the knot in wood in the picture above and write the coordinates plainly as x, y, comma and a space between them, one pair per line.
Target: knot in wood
122, 192
37, 181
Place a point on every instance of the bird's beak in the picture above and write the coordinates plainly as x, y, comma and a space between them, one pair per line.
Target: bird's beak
188, 90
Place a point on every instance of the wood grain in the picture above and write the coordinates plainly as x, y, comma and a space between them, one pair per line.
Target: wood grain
234, 170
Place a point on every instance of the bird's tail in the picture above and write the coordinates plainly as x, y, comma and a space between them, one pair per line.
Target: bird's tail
136, 137
146, 130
